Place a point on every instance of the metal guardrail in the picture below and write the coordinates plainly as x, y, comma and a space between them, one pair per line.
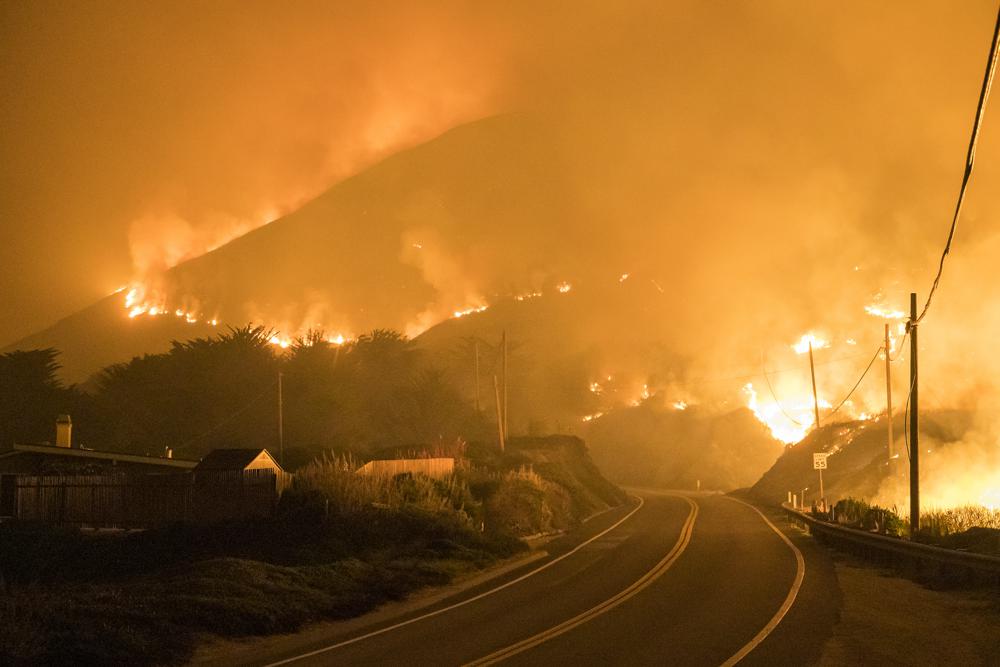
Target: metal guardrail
913, 557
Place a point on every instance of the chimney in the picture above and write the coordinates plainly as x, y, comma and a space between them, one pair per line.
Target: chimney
64, 431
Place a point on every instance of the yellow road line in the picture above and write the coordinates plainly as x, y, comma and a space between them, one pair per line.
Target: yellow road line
800, 573
396, 626
647, 579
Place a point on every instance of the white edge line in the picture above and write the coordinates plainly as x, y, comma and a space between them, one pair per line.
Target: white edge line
800, 573
463, 602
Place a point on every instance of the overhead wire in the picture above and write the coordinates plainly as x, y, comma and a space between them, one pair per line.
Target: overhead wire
231, 416
906, 419
984, 94
763, 370
858, 383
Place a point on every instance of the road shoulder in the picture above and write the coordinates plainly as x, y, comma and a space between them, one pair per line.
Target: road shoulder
215, 650
221, 651
886, 619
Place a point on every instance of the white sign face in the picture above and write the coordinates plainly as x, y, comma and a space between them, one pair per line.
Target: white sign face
819, 461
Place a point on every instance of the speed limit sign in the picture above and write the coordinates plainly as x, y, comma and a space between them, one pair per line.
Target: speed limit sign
819, 461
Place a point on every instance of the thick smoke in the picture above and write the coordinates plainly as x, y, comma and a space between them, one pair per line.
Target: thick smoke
760, 170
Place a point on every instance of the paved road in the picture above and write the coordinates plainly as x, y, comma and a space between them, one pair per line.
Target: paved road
672, 579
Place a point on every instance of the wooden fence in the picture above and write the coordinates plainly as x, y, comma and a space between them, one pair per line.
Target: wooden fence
439, 467
147, 500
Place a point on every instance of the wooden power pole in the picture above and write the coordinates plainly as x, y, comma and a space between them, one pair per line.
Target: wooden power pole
812, 372
478, 406
500, 432
506, 422
914, 422
888, 394
281, 423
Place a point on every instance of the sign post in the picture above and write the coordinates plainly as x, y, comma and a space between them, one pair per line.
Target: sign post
819, 463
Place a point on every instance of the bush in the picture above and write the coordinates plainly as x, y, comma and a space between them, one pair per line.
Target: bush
860, 514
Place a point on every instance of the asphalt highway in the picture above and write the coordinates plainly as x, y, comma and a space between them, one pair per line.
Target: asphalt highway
672, 579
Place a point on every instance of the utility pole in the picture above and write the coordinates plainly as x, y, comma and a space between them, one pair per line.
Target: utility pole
281, 424
478, 406
506, 423
812, 372
914, 422
496, 393
888, 394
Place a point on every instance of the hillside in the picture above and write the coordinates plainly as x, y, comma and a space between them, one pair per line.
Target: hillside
858, 464
639, 437
650, 446
367, 253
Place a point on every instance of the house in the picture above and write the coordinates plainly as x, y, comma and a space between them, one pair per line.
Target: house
69, 485
65, 457
232, 460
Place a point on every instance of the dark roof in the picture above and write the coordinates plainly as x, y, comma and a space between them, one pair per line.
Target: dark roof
228, 459
68, 452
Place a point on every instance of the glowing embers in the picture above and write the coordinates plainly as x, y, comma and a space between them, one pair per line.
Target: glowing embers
643, 396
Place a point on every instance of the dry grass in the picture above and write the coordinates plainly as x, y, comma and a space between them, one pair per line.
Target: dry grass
346, 492
939, 523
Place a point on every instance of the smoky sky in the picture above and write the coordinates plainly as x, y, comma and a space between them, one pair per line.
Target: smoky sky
776, 164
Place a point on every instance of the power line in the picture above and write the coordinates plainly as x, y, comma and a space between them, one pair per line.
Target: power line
858, 383
984, 94
231, 416
750, 376
901, 344
906, 421
771, 389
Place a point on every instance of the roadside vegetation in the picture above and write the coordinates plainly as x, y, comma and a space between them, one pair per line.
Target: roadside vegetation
339, 545
367, 394
969, 528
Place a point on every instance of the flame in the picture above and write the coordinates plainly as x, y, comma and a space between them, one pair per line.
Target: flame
680, 405
623, 278
469, 311
526, 296
595, 388
885, 313
781, 426
564, 287
283, 343
596, 415
803, 345
138, 304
